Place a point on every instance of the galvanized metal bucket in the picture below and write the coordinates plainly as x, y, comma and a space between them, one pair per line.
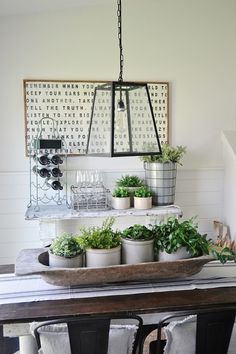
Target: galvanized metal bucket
161, 179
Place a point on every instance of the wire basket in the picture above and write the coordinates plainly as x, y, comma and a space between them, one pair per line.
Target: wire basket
90, 198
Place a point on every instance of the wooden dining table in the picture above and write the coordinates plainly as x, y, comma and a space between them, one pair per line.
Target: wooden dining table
24, 299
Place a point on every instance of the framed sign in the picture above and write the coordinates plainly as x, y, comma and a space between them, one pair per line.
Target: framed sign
70, 103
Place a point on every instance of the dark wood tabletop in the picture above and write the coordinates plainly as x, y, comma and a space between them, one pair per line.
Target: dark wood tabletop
141, 303
217, 298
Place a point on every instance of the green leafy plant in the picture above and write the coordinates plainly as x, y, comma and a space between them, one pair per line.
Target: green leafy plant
173, 234
129, 181
137, 232
121, 192
100, 237
66, 246
224, 250
143, 192
169, 154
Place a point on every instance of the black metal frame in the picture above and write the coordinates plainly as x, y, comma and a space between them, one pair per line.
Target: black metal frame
90, 334
125, 87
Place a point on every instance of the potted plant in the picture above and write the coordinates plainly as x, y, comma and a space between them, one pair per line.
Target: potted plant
101, 244
223, 249
178, 240
137, 244
132, 182
160, 173
65, 252
142, 198
121, 198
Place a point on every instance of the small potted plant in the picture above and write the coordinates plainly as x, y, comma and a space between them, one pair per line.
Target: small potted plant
101, 244
121, 198
132, 182
65, 252
160, 172
143, 198
137, 244
177, 240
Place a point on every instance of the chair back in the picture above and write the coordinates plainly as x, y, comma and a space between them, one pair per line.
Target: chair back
200, 332
89, 335
214, 332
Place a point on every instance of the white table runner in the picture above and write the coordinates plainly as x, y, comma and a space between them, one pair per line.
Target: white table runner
17, 289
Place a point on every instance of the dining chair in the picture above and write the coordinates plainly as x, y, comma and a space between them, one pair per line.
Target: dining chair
89, 335
203, 332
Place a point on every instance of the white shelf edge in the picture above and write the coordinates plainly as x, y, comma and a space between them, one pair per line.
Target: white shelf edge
62, 212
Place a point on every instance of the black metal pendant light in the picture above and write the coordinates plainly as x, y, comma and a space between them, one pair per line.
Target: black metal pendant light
122, 120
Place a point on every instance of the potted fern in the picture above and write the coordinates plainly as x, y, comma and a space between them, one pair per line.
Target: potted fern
65, 252
142, 198
137, 244
160, 173
101, 244
121, 198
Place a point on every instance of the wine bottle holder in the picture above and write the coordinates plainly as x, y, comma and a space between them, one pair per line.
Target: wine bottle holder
46, 145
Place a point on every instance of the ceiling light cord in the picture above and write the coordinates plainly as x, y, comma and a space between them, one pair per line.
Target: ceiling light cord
120, 40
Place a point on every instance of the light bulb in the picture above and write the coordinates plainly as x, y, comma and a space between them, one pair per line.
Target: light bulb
121, 117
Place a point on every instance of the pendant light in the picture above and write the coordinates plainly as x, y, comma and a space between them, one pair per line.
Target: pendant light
122, 121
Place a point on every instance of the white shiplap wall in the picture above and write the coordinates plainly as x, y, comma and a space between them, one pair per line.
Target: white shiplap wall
15, 232
198, 193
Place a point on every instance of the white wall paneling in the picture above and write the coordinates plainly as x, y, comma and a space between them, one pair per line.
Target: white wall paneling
199, 199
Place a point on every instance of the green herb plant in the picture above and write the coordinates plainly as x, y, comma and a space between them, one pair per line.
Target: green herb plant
66, 246
129, 181
169, 154
137, 232
100, 237
173, 234
143, 192
121, 192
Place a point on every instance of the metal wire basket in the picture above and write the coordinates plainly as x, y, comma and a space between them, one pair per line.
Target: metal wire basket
90, 198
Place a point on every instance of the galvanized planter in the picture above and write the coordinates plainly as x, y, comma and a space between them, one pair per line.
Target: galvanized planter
161, 179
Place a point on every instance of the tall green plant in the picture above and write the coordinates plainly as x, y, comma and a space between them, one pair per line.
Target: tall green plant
169, 154
100, 237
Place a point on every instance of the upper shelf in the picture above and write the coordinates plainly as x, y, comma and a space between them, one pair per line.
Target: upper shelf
63, 212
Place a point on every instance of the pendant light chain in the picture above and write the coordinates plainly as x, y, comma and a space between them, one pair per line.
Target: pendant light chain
120, 40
